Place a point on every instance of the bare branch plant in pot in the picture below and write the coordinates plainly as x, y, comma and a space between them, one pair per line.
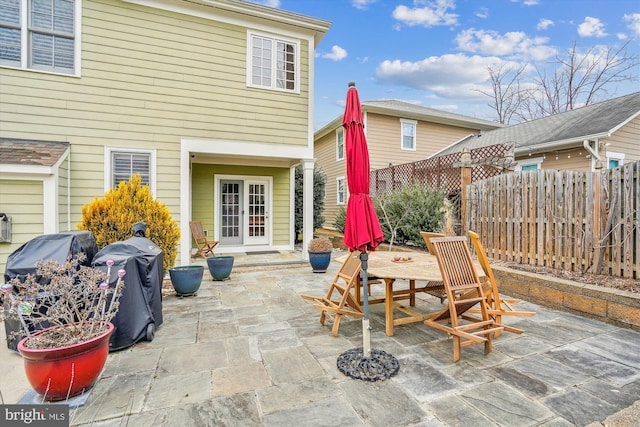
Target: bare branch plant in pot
320, 249
65, 311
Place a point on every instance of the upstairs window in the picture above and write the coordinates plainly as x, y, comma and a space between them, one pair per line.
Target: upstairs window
273, 63
340, 143
40, 34
408, 137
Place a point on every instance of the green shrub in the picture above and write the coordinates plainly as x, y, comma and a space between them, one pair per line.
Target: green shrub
111, 218
341, 219
406, 212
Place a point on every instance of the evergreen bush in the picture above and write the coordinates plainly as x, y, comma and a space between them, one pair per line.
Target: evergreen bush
406, 212
111, 218
341, 219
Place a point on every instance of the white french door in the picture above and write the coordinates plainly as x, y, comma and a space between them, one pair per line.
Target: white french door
243, 209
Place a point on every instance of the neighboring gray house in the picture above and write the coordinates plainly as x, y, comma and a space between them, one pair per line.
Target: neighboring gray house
602, 135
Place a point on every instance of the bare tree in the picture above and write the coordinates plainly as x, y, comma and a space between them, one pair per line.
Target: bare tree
572, 80
506, 91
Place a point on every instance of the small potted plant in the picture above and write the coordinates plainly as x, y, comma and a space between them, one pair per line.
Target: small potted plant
65, 311
320, 249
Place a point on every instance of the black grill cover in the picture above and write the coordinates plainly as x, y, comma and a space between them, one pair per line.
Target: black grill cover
141, 300
47, 247
56, 247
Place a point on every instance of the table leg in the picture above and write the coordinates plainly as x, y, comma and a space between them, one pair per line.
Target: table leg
412, 295
388, 306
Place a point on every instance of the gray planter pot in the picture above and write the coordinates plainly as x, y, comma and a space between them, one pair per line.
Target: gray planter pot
186, 280
220, 267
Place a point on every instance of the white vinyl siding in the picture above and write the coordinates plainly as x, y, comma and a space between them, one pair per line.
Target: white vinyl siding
40, 34
272, 63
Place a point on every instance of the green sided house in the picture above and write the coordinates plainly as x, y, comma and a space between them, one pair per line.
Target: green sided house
210, 101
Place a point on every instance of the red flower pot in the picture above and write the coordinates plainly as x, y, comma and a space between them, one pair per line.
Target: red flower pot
58, 373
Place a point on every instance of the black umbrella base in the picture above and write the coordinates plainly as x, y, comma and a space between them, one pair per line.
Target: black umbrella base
380, 366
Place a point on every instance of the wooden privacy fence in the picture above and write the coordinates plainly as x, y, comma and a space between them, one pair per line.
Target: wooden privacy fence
568, 220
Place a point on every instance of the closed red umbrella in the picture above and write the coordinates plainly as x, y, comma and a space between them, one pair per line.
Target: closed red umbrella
362, 229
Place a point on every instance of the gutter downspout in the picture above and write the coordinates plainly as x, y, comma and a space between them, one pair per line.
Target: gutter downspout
597, 161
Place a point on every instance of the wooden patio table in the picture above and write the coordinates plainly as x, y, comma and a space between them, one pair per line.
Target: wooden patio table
422, 267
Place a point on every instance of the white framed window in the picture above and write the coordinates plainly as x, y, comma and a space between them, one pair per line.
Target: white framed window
41, 35
408, 134
530, 164
273, 63
614, 159
122, 163
341, 191
340, 143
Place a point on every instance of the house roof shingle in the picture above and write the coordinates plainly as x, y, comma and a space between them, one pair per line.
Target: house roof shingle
31, 153
593, 121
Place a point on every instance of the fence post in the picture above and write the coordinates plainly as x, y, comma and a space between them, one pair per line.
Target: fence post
465, 180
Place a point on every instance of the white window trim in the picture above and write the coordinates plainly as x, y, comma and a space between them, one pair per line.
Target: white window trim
275, 38
612, 155
108, 167
24, 42
344, 146
415, 134
528, 162
344, 186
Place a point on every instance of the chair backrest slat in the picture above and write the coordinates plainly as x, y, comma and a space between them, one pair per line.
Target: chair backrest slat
456, 265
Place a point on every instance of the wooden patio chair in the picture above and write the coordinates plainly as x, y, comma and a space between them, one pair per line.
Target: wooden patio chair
204, 245
340, 299
464, 291
498, 307
427, 235
435, 289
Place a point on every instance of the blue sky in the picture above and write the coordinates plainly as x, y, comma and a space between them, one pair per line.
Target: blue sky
435, 53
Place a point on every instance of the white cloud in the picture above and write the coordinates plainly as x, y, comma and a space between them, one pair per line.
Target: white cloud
362, 4
432, 14
544, 23
591, 27
449, 76
512, 44
482, 13
270, 3
526, 2
337, 53
633, 22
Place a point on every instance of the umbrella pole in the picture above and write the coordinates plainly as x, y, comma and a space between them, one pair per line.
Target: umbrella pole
366, 330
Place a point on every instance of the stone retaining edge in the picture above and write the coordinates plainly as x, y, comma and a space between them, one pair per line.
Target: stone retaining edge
614, 306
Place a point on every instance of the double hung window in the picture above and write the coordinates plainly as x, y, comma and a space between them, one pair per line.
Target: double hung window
39, 34
340, 143
408, 137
